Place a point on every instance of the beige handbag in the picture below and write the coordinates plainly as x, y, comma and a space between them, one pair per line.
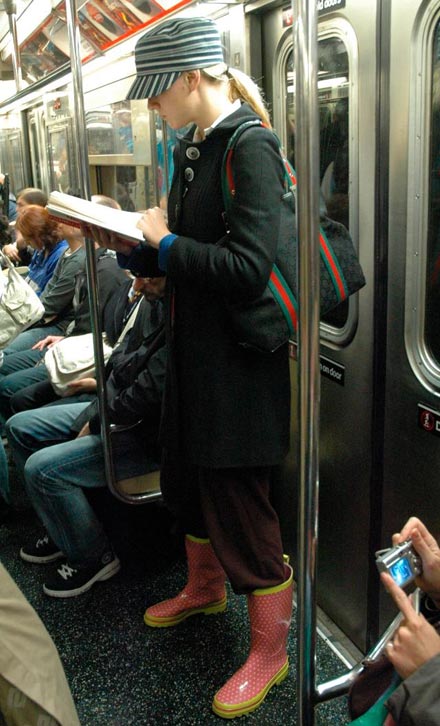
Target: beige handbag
20, 306
73, 358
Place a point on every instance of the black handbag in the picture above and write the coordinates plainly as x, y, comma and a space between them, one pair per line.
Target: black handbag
269, 321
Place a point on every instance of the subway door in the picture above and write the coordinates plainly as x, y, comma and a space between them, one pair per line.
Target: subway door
347, 98
38, 149
412, 425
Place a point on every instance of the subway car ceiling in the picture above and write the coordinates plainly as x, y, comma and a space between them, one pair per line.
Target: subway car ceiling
42, 35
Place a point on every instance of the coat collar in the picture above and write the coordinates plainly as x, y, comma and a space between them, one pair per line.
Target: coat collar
227, 126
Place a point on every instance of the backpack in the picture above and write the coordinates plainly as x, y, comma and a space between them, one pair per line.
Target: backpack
269, 322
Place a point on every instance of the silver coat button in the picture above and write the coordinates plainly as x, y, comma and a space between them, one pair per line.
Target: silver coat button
192, 153
189, 174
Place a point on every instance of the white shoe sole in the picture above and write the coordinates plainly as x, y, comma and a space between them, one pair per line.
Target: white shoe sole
108, 571
41, 560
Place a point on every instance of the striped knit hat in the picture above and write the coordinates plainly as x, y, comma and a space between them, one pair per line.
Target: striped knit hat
177, 45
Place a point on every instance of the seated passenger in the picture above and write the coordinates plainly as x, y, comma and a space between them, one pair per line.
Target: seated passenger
56, 475
33, 686
116, 313
41, 393
19, 368
45, 240
415, 648
57, 299
18, 251
58, 294
5, 232
10, 205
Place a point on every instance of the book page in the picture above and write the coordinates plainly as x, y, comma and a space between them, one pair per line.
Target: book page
65, 207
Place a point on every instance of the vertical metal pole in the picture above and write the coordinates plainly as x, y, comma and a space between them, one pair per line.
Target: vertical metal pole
83, 167
307, 166
166, 166
81, 152
10, 7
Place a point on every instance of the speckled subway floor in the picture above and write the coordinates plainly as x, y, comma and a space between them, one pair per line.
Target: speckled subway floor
122, 673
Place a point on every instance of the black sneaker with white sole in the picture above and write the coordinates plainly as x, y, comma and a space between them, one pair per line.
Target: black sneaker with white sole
69, 581
43, 551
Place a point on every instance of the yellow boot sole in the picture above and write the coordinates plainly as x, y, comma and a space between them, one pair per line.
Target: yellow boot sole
232, 710
167, 622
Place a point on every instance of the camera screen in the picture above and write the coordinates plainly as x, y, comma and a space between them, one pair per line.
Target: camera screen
401, 571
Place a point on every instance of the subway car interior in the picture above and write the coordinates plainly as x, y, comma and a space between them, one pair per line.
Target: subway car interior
378, 66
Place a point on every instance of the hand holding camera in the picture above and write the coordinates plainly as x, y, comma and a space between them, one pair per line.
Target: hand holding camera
415, 555
402, 562
427, 550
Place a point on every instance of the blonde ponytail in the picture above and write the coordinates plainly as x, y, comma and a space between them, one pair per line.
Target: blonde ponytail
240, 86
243, 87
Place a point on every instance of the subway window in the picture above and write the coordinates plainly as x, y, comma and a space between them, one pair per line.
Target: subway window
432, 300
334, 108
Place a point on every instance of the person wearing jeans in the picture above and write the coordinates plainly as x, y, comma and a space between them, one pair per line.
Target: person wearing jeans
58, 450
57, 476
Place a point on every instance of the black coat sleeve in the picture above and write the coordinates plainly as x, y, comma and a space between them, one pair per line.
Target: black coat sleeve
236, 265
140, 399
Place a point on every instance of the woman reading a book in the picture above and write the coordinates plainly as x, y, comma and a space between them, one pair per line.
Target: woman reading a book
226, 408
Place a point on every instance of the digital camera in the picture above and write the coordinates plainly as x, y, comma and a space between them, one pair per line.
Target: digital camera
401, 562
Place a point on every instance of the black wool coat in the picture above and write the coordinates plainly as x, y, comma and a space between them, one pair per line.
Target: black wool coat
224, 405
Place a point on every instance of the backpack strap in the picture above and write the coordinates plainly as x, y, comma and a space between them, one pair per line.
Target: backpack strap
277, 283
228, 185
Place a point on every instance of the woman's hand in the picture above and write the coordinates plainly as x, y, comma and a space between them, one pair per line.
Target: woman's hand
153, 226
49, 341
429, 551
416, 641
21, 242
81, 385
11, 251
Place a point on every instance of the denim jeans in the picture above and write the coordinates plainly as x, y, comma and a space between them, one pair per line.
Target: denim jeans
28, 338
19, 368
58, 468
17, 381
4, 474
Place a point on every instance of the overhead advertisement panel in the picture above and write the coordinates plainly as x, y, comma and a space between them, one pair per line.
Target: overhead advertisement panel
102, 24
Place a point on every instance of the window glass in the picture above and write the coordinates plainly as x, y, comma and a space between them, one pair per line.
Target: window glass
63, 178
432, 302
166, 141
333, 87
109, 129
134, 167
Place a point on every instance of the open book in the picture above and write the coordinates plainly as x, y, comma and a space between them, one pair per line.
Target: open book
65, 207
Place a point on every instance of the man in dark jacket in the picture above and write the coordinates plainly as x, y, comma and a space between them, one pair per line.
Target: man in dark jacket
59, 450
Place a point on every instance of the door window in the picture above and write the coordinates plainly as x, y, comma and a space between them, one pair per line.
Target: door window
334, 110
432, 301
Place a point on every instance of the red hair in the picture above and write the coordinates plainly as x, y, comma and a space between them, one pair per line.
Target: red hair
34, 223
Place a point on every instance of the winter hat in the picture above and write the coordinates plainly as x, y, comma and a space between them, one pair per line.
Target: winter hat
165, 51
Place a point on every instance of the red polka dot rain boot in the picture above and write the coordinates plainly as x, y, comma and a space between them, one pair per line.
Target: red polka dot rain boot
270, 612
204, 592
